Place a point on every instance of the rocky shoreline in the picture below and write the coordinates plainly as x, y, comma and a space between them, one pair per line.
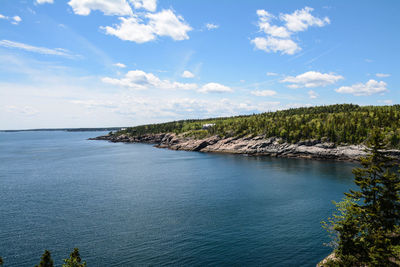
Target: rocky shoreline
256, 145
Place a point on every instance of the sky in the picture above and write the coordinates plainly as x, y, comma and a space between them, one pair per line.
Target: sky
106, 63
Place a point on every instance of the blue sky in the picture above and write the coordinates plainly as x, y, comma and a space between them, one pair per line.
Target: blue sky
95, 63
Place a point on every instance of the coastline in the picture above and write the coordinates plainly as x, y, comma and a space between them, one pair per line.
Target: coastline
255, 146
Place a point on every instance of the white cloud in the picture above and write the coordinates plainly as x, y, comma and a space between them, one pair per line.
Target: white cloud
211, 26
272, 74
312, 79
44, 2
272, 30
271, 44
150, 5
312, 94
16, 19
263, 93
300, 20
382, 75
132, 30
140, 80
215, 88
108, 7
361, 89
119, 65
187, 74
36, 49
164, 23
279, 38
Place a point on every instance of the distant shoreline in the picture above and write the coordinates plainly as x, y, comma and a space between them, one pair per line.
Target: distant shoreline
256, 146
66, 130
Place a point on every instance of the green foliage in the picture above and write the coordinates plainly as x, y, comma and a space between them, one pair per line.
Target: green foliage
341, 124
74, 260
365, 227
46, 260
1, 261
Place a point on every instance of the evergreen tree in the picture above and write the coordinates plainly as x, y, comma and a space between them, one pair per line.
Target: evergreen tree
74, 260
1, 261
46, 260
368, 220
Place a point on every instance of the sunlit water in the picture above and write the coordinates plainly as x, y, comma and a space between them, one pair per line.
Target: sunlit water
133, 204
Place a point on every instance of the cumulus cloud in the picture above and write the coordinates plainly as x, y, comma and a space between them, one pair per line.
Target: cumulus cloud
271, 44
312, 94
119, 65
140, 27
211, 26
215, 88
108, 7
382, 75
150, 5
279, 38
131, 29
44, 2
187, 74
164, 23
36, 49
362, 89
263, 92
140, 80
300, 20
312, 79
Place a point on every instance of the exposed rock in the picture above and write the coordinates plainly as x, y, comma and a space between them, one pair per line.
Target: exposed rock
251, 145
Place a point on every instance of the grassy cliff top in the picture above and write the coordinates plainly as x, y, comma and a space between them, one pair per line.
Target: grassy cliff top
342, 123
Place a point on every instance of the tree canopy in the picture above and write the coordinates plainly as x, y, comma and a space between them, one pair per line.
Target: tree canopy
341, 124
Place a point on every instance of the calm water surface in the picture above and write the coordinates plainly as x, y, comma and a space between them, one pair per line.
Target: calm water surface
132, 204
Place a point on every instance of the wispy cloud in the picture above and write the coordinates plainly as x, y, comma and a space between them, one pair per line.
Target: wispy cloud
37, 49
382, 75
211, 26
14, 20
263, 92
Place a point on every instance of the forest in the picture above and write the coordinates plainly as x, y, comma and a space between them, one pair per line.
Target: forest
340, 124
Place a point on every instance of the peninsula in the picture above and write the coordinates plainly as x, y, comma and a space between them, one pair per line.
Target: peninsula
335, 132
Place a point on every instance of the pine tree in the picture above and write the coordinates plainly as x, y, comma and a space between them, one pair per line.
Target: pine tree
46, 260
74, 260
368, 226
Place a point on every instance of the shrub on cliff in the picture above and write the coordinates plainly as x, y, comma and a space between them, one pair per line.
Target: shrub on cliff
74, 260
46, 260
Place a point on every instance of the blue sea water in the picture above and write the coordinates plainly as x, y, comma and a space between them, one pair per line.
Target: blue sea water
133, 204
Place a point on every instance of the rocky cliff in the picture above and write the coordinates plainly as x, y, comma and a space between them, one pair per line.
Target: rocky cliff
258, 145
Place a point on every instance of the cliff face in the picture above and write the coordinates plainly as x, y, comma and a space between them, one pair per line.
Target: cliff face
257, 145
